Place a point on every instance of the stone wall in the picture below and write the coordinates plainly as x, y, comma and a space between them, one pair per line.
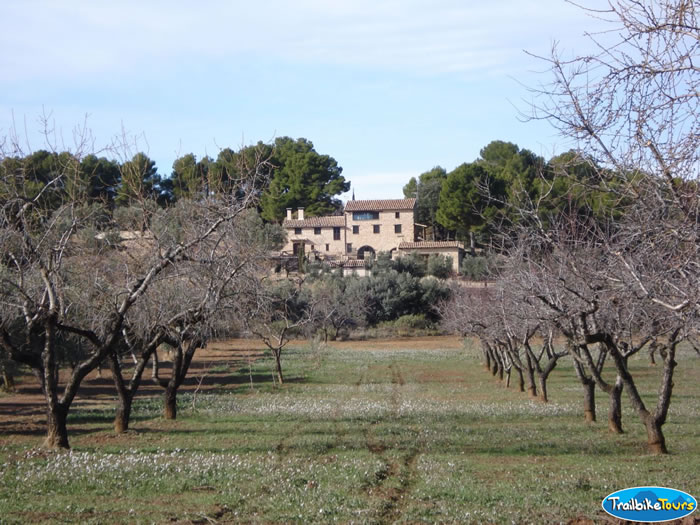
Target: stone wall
387, 238
317, 242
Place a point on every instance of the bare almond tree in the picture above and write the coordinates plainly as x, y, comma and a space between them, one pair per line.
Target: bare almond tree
634, 105
468, 313
46, 300
511, 339
190, 303
576, 283
276, 311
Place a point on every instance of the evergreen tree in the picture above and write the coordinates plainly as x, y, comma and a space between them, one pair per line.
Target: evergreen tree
469, 200
139, 180
302, 178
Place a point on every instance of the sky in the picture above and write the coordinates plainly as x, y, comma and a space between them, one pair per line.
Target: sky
389, 89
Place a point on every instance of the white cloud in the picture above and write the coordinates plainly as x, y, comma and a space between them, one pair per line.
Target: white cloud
68, 38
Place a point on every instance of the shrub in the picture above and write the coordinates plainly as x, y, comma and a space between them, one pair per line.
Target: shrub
479, 267
440, 266
413, 321
412, 264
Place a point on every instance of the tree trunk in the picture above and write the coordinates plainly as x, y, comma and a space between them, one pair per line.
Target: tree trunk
170, 400
154, 371
589, 400
124, 397
487, 359
521, 380
655, 436
170, 403
56, 430
123, 415
56, 413
543, 388
498, 365
615, 413
494, 367
278, 363
530, 370
531, 387
8, 382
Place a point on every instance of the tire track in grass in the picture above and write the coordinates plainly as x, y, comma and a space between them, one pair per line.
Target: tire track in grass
283, 446
391, 509
338, 432
402, 469
363, 377
338, 429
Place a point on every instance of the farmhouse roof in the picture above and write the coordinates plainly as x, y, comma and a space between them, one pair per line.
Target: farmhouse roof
315, 222
430, 244
354, 263
379, 205
348, 263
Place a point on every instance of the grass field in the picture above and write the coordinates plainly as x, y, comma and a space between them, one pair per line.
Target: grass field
357, 435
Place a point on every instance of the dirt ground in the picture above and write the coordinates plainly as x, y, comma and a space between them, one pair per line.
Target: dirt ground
23, 412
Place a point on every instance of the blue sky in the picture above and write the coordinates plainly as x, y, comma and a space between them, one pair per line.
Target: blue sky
388, 88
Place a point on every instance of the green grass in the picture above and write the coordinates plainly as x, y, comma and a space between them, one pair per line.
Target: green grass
357, 436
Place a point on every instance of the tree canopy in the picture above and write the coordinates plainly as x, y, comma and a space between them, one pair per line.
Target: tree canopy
190, 178
426, 190
302, 178
464, 206
139, 180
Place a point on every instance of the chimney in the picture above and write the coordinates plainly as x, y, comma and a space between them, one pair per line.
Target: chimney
289, 214
300, 214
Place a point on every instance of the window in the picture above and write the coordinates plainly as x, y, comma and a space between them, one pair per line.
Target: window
317, 231
397, 228
297, 231
355, 229
398, 215
365, 215
328, 247
336, 233
349, 247
375, 228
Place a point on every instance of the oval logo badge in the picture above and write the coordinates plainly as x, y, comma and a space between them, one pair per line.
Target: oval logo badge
649, 504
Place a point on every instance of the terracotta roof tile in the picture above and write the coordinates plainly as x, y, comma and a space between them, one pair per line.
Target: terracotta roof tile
347, 263
379, 205
430, 244
353, 263
315, 222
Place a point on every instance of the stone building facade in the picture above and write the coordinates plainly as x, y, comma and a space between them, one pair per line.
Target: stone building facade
324, 236
452, 249
365, 228
378, 226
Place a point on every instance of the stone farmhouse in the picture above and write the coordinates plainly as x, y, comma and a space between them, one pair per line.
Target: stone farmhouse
365, 228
